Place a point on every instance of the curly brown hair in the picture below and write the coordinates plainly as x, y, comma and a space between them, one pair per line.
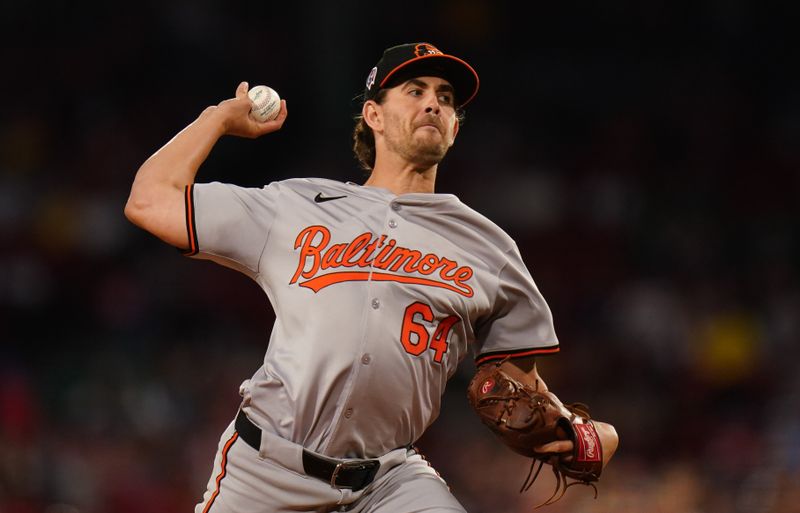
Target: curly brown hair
364, 139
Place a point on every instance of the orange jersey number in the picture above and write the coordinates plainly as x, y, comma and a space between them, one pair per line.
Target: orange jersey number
415, 337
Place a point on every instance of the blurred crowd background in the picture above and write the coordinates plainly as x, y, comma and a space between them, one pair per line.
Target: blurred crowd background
644, 155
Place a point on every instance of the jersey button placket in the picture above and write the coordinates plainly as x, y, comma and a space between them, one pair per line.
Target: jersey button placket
394, 206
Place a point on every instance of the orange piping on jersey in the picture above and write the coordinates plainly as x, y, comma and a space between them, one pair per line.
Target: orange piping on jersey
367, 250
320, 282
190, 228
512, 354
222, 471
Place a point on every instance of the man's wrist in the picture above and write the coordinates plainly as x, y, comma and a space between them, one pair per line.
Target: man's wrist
214, 119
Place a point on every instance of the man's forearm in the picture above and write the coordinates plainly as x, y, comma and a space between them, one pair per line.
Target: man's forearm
156, 202
526, 371
177, 162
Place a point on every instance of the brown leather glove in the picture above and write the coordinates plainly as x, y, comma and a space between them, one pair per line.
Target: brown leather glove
524, 418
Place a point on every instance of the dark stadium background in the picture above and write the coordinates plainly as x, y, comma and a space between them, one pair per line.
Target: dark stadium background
644, 155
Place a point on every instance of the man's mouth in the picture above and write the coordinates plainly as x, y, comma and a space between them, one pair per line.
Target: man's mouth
430, 125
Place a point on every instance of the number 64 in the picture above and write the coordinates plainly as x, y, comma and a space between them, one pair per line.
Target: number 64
415, 337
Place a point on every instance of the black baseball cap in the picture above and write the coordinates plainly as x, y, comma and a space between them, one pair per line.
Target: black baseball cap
409, 60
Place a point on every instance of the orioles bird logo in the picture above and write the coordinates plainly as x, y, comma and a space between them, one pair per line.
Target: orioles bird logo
426, 49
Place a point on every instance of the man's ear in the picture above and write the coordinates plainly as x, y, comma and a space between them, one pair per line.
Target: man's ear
372, 114
455, 132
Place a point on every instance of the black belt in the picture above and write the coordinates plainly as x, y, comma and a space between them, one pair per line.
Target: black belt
356, 474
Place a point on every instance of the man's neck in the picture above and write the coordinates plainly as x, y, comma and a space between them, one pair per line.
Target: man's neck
403, 179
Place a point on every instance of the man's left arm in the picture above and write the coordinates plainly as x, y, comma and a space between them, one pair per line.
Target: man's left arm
514, 401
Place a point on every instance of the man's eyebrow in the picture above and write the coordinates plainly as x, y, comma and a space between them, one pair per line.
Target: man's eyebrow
441, 87
446, 88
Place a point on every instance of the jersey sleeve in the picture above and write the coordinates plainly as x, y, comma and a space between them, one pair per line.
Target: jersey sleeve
230, 224
521, 323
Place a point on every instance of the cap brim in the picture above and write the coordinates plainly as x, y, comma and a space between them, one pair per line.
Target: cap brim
461, 76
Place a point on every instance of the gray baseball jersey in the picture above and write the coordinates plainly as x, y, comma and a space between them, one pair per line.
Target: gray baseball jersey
377, 299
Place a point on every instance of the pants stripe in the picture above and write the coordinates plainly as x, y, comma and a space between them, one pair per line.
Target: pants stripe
221, 474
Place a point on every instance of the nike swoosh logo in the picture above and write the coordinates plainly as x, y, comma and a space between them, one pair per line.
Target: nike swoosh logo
319, 198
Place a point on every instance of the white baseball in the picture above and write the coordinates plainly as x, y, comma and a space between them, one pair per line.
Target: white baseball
266, 104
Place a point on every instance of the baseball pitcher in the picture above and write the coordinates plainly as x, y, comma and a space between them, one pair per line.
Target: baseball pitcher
379, 291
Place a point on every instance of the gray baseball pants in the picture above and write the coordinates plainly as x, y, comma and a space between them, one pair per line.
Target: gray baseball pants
272, 480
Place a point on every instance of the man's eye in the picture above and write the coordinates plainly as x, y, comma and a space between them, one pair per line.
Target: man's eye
446, 98
415, 92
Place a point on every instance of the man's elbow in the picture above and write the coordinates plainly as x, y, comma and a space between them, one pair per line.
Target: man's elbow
159, 212
136, 209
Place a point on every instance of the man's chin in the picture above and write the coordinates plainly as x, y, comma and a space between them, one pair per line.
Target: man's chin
431, 146
427, 157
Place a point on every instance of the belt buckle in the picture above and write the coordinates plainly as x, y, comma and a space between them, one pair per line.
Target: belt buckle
371, 466
335, 474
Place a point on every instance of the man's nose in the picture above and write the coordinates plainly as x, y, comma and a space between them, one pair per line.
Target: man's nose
433, 105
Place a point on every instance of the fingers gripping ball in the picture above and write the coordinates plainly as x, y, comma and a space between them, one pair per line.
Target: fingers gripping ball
266, 104
524, 418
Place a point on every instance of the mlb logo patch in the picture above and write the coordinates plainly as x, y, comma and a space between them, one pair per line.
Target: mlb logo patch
371, 77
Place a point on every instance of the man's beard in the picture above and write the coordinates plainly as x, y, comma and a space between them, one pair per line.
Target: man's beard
423, 152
